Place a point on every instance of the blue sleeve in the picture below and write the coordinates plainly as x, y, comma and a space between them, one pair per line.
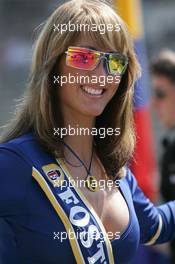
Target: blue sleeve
157, 223
8, 253
14, 178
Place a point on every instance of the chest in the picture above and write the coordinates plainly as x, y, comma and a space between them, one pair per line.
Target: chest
111, 208
37, 231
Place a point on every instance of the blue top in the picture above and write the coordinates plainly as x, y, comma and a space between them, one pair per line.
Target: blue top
32, 221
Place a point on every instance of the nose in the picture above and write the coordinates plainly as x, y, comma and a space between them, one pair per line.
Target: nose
154, 102
101, 68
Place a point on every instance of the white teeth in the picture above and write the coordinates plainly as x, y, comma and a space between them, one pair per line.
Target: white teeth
92, 91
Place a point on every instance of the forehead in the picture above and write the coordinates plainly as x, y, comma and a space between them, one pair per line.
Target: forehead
163, 83
82, 41
94, 41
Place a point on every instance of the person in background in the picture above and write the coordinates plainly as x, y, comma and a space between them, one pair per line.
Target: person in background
163, 85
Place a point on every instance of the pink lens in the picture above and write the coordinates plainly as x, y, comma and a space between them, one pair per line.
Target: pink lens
82, 58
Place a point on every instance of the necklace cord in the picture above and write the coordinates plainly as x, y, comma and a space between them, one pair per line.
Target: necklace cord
74, 153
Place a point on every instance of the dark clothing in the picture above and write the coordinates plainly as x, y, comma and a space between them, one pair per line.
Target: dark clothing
168, 168
168, 174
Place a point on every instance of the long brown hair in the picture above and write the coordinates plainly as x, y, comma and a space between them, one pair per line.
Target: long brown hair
39, 109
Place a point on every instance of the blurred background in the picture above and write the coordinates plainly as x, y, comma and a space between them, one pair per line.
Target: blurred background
153, 30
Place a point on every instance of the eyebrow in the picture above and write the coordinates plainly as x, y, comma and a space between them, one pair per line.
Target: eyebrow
89, 47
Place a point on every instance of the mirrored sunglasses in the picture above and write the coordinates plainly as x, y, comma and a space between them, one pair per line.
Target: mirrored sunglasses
88, 59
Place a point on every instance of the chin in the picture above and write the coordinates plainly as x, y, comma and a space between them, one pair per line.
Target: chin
93, 113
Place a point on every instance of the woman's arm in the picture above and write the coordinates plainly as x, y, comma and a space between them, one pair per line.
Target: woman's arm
157, 223
15, 174
8, 253
14, 178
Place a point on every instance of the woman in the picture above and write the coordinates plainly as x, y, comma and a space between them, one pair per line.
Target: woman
53, 216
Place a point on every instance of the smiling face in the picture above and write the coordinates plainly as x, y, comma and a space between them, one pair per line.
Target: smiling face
88, 97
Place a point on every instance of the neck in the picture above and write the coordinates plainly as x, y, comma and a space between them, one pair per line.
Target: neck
81, 142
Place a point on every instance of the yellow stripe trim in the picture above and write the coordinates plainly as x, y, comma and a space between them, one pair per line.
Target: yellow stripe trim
89, 206
131, 12
157, 234
45, 187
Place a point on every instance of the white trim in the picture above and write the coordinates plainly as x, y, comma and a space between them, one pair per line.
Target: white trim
157, 234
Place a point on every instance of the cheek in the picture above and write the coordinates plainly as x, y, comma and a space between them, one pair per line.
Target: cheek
171, 106
113, 87
66, 92
172, 99
163, 107
168, 103
166, 109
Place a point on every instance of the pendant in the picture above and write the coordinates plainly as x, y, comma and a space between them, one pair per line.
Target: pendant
91, 183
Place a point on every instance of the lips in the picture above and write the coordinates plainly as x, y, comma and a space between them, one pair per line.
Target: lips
92, 91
